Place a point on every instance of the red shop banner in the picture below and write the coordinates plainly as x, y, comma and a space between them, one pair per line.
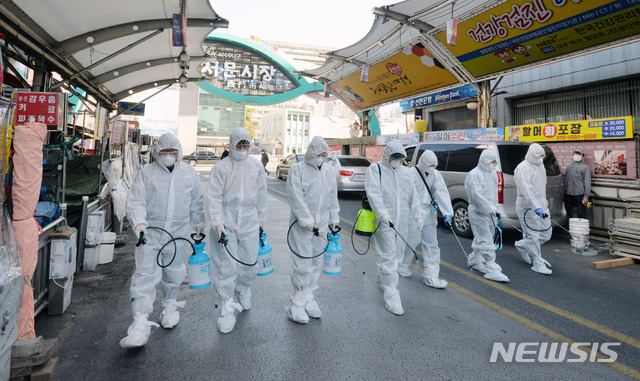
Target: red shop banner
42, 107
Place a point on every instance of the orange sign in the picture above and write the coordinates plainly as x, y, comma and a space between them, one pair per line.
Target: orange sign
412, 71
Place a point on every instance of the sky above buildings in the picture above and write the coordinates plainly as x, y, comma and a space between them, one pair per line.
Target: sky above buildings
327, 23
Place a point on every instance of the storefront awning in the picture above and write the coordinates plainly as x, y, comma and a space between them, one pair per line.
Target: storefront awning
110, 48
408, 50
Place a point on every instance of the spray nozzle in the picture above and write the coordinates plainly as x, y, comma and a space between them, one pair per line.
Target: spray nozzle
223, 239
142, 240
391, 225
198, 240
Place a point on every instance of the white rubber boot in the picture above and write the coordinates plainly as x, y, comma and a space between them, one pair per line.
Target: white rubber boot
435, 282
170, 316
393, 303
138, 332
227, 320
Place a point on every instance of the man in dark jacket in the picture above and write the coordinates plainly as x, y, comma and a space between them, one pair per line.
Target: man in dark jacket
577, 185
265, 160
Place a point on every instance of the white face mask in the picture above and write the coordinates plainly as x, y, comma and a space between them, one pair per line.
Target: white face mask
167, 160
538, 160
395, 163
239, 155
577, 157
431, 168
318, 161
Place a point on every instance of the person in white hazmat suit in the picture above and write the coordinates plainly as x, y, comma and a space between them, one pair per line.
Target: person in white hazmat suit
313, 196
531, 183
237, 197
165, 194
430, 188
481, 185
392, 196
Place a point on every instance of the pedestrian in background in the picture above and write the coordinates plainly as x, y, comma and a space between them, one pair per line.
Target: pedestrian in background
265, 161
577, 185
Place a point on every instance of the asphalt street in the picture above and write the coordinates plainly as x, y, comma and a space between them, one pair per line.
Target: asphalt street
443, 335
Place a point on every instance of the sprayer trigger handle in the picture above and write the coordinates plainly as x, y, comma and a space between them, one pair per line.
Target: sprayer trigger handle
223, 239
142, 240
391, 225
316, 232
545, 215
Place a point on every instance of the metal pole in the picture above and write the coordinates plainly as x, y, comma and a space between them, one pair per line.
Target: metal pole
84, 118
82, 231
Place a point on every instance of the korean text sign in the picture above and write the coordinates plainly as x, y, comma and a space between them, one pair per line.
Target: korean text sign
412, 71
522, 32
43, 107
596, 129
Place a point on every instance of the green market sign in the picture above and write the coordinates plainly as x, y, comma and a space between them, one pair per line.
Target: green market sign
249, 72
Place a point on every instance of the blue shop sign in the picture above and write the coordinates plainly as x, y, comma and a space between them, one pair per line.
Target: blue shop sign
464, 92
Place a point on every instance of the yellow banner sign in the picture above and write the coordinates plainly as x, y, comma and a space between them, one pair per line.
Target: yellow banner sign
522, 32
596, 129
412, 71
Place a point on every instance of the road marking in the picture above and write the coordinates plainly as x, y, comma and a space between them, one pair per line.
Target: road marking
537, 302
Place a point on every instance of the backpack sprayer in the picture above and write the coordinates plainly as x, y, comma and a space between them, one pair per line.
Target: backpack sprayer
365, 225
199, 267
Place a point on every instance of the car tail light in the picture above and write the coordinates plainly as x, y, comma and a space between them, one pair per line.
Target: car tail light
346, 173
500, 188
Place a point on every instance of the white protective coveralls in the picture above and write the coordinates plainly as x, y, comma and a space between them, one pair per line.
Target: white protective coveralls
531, 183
425, 171
169, 200
313, 198
237, 197
393, 197
481, 185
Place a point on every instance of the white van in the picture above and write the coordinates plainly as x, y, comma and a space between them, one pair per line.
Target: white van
456, 159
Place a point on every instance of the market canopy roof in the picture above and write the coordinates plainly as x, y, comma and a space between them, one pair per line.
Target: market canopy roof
407, 49
108, 48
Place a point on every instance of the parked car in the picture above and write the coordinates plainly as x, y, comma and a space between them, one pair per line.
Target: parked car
350, 172
201, 157
282, 170
456, 159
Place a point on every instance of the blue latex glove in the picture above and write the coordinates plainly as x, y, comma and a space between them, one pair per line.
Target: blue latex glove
447, 220
539, 212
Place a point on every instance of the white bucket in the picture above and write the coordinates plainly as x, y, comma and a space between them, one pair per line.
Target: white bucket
107, 241
579, 229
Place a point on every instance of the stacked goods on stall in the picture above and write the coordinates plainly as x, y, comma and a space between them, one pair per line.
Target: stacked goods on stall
625, 237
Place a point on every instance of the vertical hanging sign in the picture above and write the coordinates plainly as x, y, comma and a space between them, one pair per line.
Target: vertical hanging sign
452, 32
179, 29
327, 90
364, 77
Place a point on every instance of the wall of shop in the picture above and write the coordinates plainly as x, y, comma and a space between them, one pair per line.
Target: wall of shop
580, 72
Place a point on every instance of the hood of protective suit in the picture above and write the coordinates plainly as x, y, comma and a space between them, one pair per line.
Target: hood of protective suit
394, 146
165, 141
317, 146
535, 154
428, 161
486, 157
236, 136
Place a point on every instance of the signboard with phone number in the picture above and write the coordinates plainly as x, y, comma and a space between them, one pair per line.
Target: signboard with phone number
596, 129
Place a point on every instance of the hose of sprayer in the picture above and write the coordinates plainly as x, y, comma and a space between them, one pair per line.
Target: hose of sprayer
353, 230
223, 240
392, 226
293, 251
175, 247
524, 218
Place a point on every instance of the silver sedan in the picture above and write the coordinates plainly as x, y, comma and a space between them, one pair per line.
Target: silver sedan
350, 171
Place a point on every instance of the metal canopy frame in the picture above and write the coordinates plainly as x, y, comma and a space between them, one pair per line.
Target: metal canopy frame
131, 41
413, 17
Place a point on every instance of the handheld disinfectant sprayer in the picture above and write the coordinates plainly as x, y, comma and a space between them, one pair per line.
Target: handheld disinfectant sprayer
334, 232
199, 261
